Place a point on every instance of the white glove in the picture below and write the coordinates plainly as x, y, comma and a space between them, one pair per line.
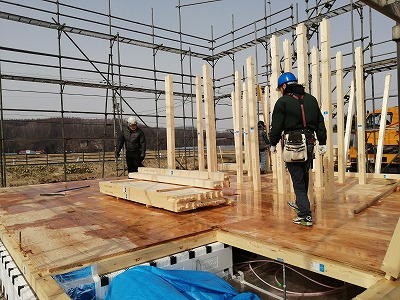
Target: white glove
273, 149
322, 149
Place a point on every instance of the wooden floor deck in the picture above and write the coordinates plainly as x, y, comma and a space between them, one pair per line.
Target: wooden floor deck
55, 234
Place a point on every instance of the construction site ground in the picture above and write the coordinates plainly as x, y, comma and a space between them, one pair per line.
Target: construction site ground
54, 234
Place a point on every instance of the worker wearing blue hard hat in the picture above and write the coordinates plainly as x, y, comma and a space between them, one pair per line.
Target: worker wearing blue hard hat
298, 112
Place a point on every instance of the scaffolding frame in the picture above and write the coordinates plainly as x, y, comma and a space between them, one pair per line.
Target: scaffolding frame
189, 48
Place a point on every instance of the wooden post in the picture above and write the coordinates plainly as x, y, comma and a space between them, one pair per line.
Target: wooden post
382, 125
210, 120
360, 98
287, 56
275, 71
253, 118
246, 130
267, 122
316, 91
302, 56
302, 65
277, 159
169, 98
237, 126
350, 110
327, 105
340, 118
391, 262
199, 123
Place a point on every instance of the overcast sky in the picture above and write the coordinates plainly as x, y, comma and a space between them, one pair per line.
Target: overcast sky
207, 20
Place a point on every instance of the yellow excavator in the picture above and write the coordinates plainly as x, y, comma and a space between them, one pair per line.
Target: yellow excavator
391, 152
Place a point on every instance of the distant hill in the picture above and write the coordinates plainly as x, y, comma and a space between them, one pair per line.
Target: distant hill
89, 135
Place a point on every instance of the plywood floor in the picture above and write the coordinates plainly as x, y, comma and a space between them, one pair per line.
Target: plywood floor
60, 233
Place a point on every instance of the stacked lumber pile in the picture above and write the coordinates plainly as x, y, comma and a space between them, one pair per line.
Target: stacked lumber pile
173, 190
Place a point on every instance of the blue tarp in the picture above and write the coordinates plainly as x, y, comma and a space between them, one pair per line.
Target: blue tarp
78, 285
151, 283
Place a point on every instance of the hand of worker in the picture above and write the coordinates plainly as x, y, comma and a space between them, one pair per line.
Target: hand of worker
322, 149
273, 149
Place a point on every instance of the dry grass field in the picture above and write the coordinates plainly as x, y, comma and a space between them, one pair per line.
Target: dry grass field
46, 168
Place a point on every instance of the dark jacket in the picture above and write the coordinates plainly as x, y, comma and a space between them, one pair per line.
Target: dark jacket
134, 141
263, 141
287, 115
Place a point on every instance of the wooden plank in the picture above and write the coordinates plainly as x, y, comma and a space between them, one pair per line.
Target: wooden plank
186, 173
382, 125
342, 159
169, 99
373, 176
196, 182
199, 123
391, 262
176, 200
210, 120
376, 199
360, 98
326, 92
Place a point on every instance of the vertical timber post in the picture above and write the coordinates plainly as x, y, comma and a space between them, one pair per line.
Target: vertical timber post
360, 98
169, 98
326, 92
199, 123
341, 158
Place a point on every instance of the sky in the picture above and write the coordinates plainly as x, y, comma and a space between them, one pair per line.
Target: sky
202, 20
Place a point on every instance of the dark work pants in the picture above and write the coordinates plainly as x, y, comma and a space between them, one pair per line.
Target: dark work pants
299, 174
133, 161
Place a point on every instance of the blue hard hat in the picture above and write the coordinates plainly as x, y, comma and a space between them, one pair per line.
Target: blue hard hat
285, 78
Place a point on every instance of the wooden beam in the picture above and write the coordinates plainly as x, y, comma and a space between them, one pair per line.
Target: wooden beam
186, 173
316, 92
199, 124
275, 72
277, 159
326, 88
176, 200
342, 159
253, 119
287, 56
181, 180
169, 99
246, 131
300, 259
364, 206
350, 112
211, 137
302, 55
381, 290
360, 98
150, 253
391, 262
382, 125
237, 126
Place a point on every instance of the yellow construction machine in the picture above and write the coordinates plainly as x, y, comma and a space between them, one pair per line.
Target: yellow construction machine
391, 152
